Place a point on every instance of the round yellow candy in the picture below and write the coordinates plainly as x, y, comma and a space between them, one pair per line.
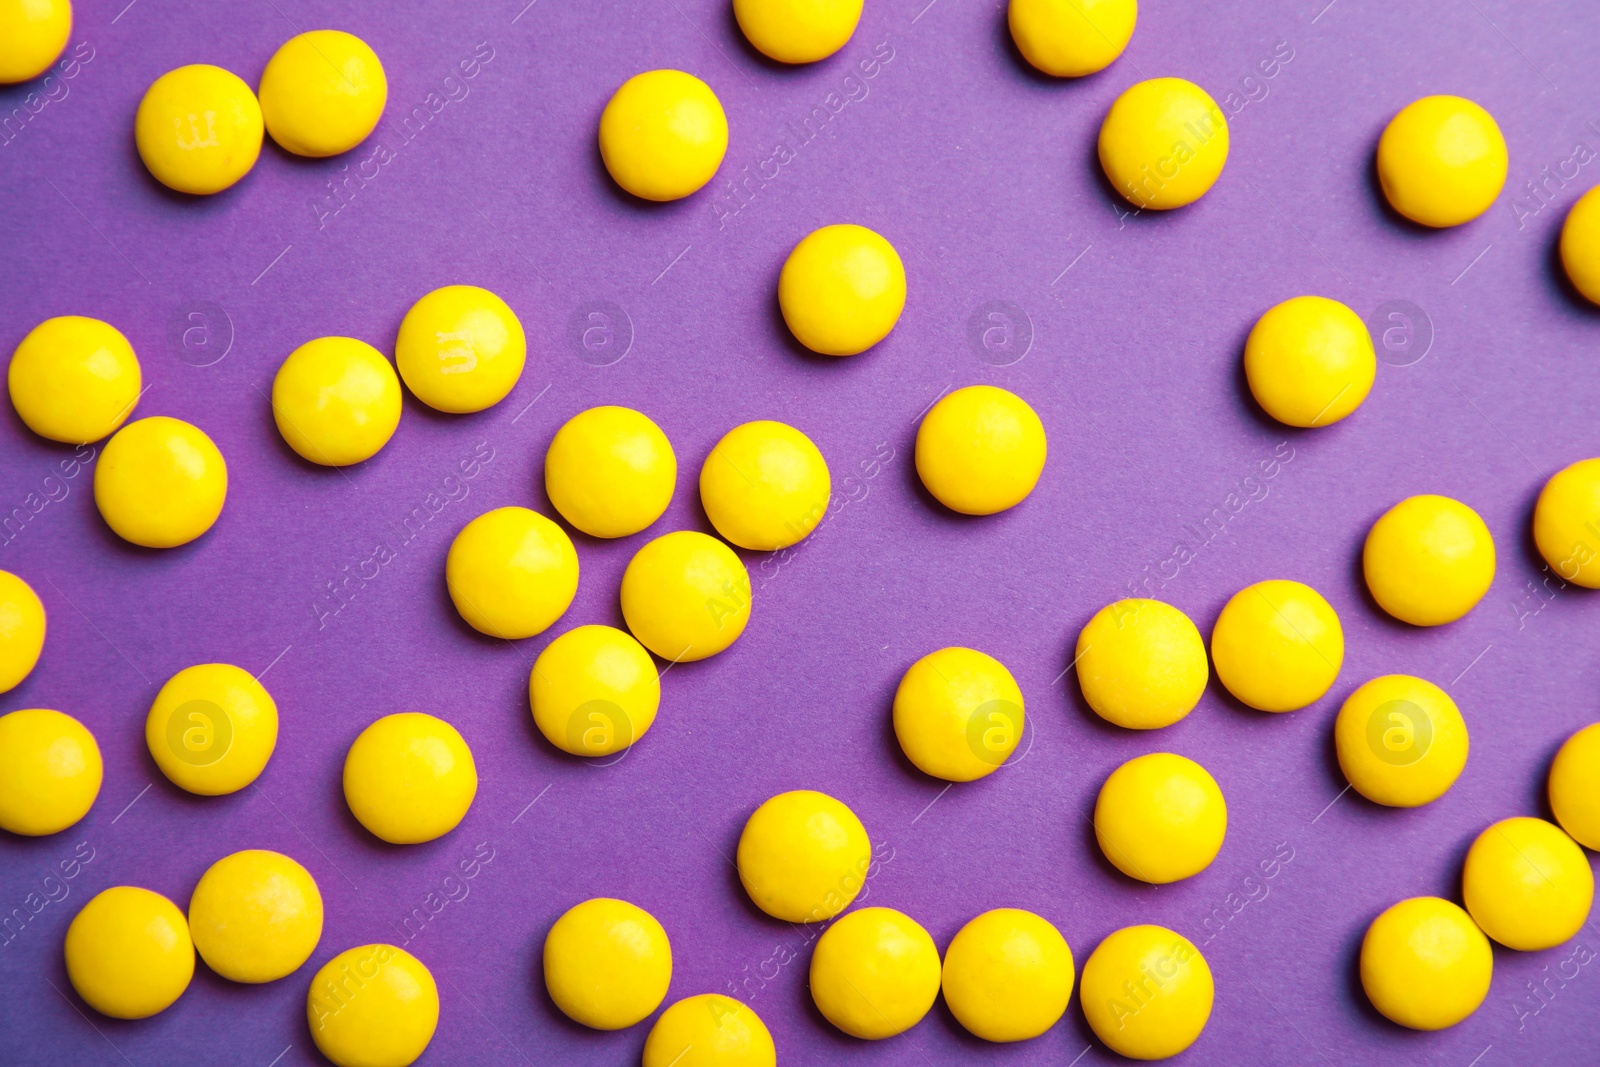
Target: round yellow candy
663, 134
1527, 884
198, 129
409, 778
373, 1006
798, 31
765, 486
1008, 975
594, 691
1160, 818
322, 93
461, 349
803, 856
255, 916
1141, 664
1163, 143
709, 1030
50, 771
336, 401
980, 450
1071, 38
1277, 645
160, 482
74, 379
128, 952
1565, 521
1425, 964
610, 471
875, 973
212, 729
1401, 741
686, 596
36, 31
1575, 786
842, 290
1580, 245
607, 963
1147, 992
1428, 560
22, 627
512, 573
1310, 361
1442, 161
958, 714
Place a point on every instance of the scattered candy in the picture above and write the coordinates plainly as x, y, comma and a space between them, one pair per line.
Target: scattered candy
663, 135
50, 771
255, 916
1141, 664
460, 349
686, 596
1580, 245
765, 486
512, 573
160, 482
1277, 645
322, 93
1442, 161
74, 379
980, 450
709, 1030
212, 729
1147, 992
803, 856
1566, 523
958, 714
1573, 793
1072, 38
36, 33
1310, 361
1163, 143
1527, 884
198, 129
610, 471
594, 691
798, 31
875, 973
128, 953
1160, 818
22, 627
1008, 975
842, 290
336, 401
1428, 560
1425, 964
373, 1006
409, 778
607, 963
1401, 741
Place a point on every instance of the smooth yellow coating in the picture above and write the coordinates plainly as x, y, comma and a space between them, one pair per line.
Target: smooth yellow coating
1008, 975
74, 379
980, 450
1566, 523
1425, 964
1310, 361
1160, 818
409, 778
22, 628
512, 573
36, 31
373, 1006
1428, 560
255, 916
958, 714
1147, 992
610, 471
607, 963
322, 93
1442, 161
594, 691
1277, 645
765, 486
1527, 884
875, 973
1071, 38
160, 482
336, 401
1401, 741
1163, 143
198, 129
212, 728
461, 349
1580, 245
1141, 664
1575, 786
709, 1030
663, 134
50, 771
798, 31
803, 856
128, 952
842, 289
686, 596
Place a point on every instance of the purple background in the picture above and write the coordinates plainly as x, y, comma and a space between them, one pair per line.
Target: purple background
983, 175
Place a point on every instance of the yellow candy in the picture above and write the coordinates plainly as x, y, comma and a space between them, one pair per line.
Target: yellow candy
765, 486
1442, 161
980, 450
875, 973
958, 714
686, 596
1147, 992
1566, 523
128, 953
1580, 245
1277, 645
803, 856
1428, 560
594, 691
1424, 964
160, 483
1574, 796
336, 401
1160, 818
512, 573
212, 729
842, 290
798, 31
74, 379
322, 93
35, 33
1008, 975
709, 1030
607, 963
373, 1006
198, 129
255, 916
1163, 143
461, 349
22, 627
663, 134
610, 471
1401, 741
1141, 664
1071, 38
410, 778
50, 771
1310, 361
1527, 884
